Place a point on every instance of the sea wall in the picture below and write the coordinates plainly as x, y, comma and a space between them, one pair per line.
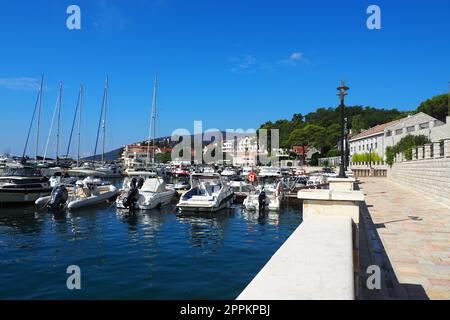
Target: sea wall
428, 172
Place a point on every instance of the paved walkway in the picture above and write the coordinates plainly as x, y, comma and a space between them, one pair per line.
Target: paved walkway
415, 234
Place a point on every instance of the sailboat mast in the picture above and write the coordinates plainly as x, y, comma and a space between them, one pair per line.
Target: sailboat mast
79, 125
59, 121
154, 118
32, 120
152, 131
52, 124
104, 119
39, 116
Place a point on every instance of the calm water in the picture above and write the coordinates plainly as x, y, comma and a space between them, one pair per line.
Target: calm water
155, 255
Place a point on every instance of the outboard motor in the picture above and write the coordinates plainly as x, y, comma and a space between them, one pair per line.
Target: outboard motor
132, 196
58, 198
262, 200
140, 183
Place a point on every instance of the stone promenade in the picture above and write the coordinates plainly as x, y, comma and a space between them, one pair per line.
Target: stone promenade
414, 235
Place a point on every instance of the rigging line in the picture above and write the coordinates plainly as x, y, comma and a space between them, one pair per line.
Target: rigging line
79, 125
32, 119
73, 123
51, 128
31, 124
39, 117
99, 126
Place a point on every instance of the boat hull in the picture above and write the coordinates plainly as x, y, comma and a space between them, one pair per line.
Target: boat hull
195, 206
143, 203
93, 200
18, 196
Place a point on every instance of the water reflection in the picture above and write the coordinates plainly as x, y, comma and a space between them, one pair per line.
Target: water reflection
22, 220
264, 217
206, 229
163, 254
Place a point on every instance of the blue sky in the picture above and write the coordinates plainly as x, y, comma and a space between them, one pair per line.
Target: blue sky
231, 64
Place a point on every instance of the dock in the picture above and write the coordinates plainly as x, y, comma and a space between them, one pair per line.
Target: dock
316, 263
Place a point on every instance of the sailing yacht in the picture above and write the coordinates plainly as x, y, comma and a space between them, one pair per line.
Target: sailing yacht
144, 190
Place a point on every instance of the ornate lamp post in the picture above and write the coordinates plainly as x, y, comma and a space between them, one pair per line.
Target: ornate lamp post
346, 143
342, 93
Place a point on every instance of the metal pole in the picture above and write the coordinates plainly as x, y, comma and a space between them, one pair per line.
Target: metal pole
342, 93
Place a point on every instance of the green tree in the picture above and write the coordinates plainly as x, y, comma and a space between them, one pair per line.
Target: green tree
406, 144
300, 137
437, 107
358, 124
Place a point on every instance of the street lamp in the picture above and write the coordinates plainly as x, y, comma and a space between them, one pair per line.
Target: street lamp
342, 93
346, 143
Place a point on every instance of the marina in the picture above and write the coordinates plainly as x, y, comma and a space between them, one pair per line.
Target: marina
224, 155
156, 254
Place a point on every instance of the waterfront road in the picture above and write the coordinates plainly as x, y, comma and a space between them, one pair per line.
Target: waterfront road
408, 236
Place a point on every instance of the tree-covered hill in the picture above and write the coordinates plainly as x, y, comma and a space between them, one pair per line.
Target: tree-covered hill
321, 128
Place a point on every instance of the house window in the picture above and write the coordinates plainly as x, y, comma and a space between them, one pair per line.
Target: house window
424, 125
388, 133
376, 145
399, 131
410, 129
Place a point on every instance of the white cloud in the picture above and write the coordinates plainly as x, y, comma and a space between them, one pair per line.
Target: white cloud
293, 59
296, 56
244, 63
23, 83
247, 63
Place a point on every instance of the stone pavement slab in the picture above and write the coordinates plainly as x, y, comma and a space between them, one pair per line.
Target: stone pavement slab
415, 233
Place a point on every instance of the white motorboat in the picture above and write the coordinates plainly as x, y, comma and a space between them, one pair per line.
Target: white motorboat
241, 189
316, 181
209, 170
247, 170
22, 185
144, 191
85, 193
110, 171
208, 193
228, 172
269, 172
266, 196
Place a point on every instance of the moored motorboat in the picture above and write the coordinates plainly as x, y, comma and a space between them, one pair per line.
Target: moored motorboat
85, 193
23, 184
144, 191
266, 196
208, 193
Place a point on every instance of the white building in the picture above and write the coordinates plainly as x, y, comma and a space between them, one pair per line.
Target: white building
371, 140
378, 138
136, 155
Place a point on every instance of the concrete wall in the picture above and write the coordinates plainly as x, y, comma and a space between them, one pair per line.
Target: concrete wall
430, 177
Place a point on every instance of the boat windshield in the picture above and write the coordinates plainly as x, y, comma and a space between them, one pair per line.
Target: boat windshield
22, 172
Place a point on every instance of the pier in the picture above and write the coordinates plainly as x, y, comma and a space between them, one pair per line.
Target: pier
398, 221
409, 239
